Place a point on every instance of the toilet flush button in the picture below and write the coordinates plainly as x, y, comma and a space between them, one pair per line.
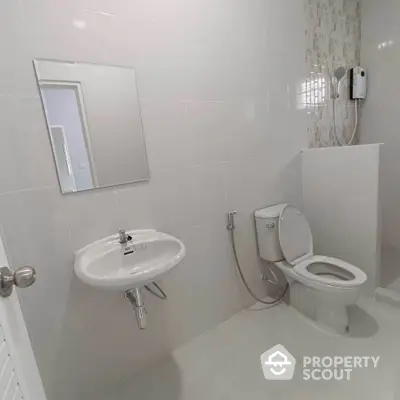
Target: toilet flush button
270, 225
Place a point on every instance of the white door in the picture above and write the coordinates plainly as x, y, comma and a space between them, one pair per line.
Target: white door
19, 374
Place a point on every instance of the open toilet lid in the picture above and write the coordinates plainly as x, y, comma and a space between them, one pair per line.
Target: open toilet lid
294, 235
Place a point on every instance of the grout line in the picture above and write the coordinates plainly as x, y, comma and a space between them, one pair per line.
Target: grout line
21, 7
98, 12
6, 95
13, 192
187, 101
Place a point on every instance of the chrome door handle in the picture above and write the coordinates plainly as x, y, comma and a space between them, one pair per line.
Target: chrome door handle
23, 277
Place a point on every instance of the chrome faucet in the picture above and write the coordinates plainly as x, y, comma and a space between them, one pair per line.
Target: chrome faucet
123, 237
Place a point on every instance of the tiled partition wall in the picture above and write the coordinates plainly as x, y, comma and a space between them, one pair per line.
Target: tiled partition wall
218, 84
355, 237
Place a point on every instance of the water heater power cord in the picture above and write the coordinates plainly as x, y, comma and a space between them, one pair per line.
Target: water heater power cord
355, 124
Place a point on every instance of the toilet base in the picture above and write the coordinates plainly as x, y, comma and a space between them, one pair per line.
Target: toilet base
320, 308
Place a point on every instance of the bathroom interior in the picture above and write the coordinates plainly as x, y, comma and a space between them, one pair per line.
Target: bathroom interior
187, 184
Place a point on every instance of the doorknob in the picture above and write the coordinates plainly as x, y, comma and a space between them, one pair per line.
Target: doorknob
23, 277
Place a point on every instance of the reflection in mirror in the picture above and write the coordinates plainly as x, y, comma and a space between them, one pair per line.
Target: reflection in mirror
94, 123
64, 112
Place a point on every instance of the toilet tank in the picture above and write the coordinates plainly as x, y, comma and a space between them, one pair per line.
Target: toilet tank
267, 226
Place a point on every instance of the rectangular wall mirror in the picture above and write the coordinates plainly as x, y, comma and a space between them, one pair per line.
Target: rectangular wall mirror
94, 123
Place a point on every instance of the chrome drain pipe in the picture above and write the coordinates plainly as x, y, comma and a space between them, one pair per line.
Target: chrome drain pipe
135, 296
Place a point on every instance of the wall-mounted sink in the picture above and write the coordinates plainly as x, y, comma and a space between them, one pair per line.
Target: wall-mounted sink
108, 264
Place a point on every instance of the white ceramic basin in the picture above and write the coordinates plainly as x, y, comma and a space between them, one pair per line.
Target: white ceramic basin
150, 255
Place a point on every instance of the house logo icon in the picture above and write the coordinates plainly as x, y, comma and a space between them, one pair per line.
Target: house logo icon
278, 364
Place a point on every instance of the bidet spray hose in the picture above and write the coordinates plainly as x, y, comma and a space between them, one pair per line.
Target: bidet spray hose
231, 229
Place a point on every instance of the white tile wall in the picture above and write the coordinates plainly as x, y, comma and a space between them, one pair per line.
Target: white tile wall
380, 116
217, 83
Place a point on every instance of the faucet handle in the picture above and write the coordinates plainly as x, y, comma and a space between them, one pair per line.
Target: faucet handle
123, 237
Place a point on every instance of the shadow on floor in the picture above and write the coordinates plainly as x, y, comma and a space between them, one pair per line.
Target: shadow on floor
362, 324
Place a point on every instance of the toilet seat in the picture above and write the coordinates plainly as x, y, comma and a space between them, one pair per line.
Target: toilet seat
330, 271
295, 235
297, 247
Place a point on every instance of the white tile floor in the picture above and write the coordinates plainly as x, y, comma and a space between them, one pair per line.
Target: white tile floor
224, 363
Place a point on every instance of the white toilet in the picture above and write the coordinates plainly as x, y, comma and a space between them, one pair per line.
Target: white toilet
320, 287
